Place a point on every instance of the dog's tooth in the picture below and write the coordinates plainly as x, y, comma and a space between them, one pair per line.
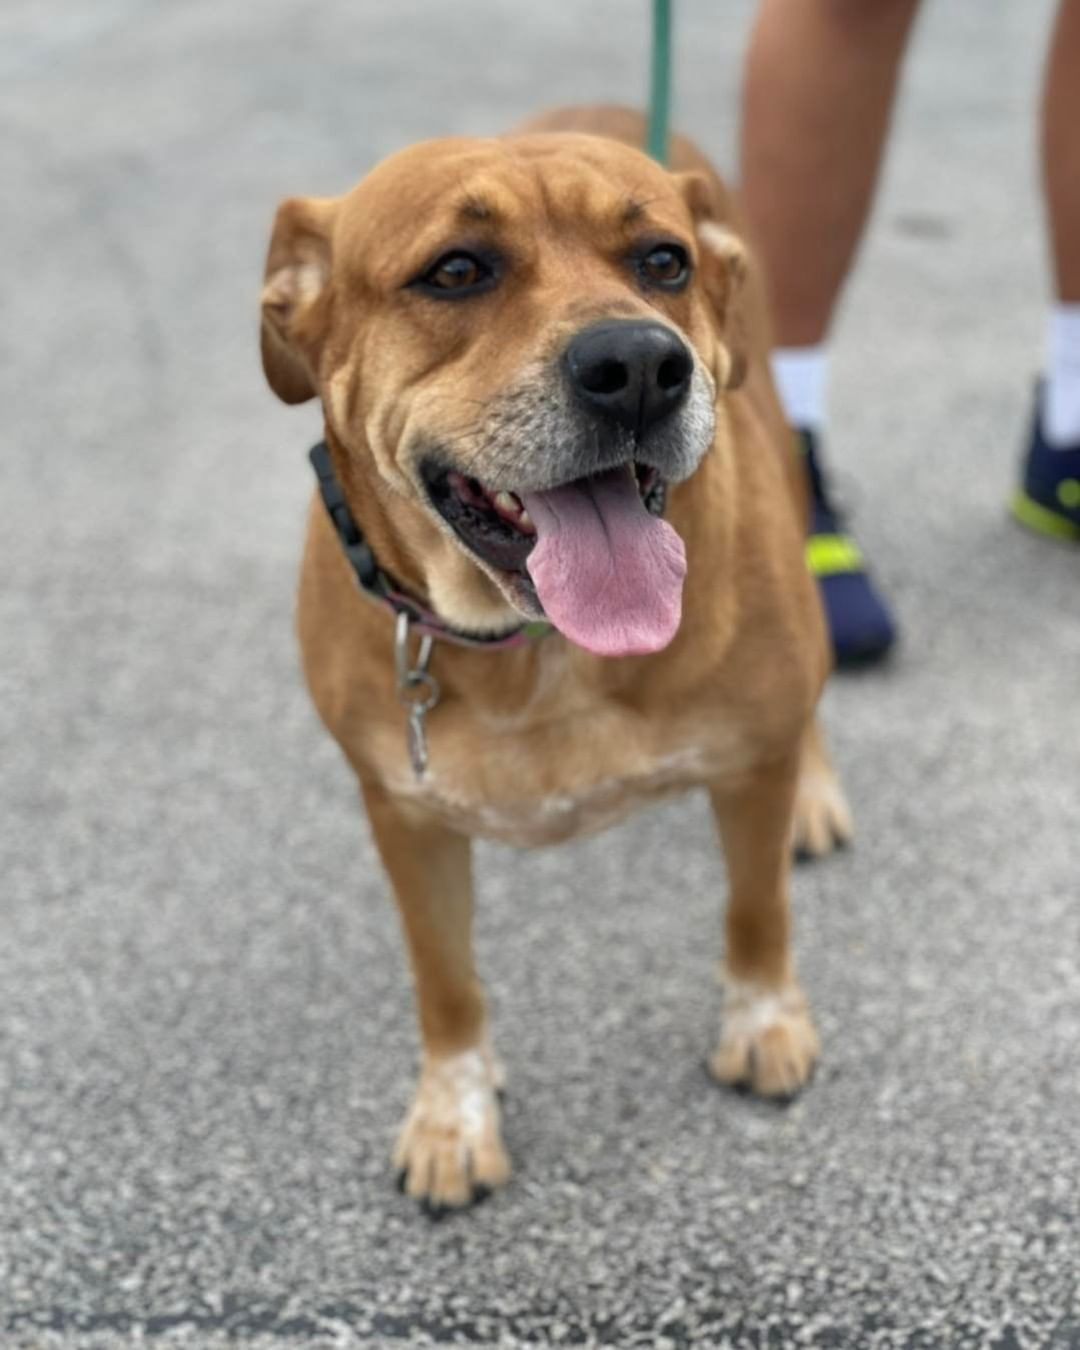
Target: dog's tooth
506, 501
524, 517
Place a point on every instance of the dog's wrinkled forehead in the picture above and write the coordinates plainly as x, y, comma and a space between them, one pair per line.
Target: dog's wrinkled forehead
523, 193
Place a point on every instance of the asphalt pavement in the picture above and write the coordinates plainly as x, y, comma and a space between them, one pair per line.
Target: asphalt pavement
206, 1034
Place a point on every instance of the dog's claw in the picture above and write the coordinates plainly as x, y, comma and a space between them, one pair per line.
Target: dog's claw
435, 1211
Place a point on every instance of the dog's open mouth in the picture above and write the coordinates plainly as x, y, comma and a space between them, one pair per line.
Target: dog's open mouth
604, 566
495, 524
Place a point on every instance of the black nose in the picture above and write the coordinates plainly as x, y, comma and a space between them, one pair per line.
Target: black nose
633, 371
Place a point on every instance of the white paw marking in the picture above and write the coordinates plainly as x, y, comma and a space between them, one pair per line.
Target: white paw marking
767, 1038
462, 1086
751, 1008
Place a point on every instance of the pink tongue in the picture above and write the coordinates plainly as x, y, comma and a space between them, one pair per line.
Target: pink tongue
609, 574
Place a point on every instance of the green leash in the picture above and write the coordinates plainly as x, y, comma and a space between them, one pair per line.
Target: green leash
660, 84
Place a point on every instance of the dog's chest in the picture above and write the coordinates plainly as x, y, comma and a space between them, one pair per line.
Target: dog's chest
536, 782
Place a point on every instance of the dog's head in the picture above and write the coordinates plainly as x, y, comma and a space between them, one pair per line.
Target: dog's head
526, 338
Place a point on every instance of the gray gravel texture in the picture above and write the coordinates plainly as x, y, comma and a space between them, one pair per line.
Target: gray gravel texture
206, 1037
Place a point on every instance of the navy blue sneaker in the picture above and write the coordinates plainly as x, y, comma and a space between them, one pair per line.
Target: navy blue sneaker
1048, 500
861, 627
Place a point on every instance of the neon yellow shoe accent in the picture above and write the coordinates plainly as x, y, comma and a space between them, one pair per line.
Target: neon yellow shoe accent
829, 555
1068, 493
1041, 519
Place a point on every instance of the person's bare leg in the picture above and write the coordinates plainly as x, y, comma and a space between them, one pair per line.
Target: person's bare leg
1061, 150
818, 93
817, 98
1061, 184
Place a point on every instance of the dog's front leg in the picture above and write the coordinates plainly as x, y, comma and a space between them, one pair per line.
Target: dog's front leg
767, 1039
450, 1149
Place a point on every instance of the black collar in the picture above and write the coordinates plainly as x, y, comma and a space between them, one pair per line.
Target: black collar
380, 586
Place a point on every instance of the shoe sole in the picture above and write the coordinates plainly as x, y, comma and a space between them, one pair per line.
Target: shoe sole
867, 656
1042, 520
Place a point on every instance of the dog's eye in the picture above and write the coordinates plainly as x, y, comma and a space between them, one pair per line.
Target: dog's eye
457, 273
666, 265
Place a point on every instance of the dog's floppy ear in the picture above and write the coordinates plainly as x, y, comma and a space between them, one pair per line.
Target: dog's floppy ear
724, 267
294, 310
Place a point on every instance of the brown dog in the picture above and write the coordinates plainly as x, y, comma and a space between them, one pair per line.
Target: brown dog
542, 363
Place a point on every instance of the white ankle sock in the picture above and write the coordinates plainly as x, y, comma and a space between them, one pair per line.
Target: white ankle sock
1061, 396
801, 374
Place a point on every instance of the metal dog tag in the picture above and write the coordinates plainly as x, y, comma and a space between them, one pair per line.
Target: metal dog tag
418, 691
418, 752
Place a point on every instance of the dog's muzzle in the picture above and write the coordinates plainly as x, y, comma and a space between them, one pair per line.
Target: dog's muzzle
561, 488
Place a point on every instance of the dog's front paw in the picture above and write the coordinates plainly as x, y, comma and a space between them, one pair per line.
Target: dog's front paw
767, 1039
450, 1150
822, 820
